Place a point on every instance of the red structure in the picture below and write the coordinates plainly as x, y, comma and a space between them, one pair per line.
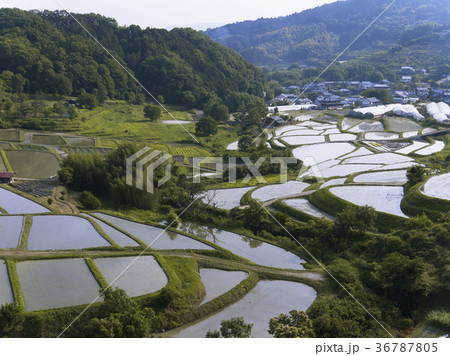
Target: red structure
6, 177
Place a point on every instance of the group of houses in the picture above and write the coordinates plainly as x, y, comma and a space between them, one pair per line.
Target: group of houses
348, 94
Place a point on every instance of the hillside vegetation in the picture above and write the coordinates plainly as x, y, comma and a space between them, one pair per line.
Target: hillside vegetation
326, 30
49, 52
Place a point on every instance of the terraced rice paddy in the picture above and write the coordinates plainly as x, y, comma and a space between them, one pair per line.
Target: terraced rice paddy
52, 140
306, 207
394, 177
252, 249
60, 232
402, 124
391, 167
9, 135
80, 141
381, 136
31, 164
280, 131
344, 170
51, 284
331, 132
266, 300
410, 134
3, 167
118, 237
156, 238
276, 191
323, 152
16, 204
348, 123
143, 275
380, 158
218, 282
226, 198
416, 145
342, 137
362, 151
437, 146
303, 140
382, 198
10, 231
438, 187
428, 130
337, 181
368, 125
6, 295
233, 146
302, 132
278, 143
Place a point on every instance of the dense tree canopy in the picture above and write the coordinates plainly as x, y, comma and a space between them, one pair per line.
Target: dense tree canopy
49, 52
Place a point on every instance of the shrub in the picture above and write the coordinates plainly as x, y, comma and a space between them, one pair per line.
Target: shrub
89, 201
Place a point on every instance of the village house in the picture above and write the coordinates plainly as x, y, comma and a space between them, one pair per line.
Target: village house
406, 79
422, 92
6, 177
329, 101
405, 71
404, 97
367, 102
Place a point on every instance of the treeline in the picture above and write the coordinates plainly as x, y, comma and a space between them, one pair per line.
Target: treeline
105, 177
49, 52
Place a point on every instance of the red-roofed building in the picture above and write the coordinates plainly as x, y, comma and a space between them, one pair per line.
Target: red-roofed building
6, 177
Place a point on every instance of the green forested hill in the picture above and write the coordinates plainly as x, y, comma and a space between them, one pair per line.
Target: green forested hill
327, 30
48, 52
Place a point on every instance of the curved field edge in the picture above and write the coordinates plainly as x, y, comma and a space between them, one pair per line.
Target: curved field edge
292, 212
223, 251
416, 203
324, 200
28, 196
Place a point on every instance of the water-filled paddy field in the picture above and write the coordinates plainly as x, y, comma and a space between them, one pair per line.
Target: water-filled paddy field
276, 191
50, 284
267, 300
394, 177
6, 295
218, 282
306, 207
155, 237
118, 237
226, 198
10, 231
136, 275
61, 232
438, 187
16, 204
382, 198
253, 250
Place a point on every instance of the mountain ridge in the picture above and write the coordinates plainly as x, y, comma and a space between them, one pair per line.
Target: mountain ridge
328, 29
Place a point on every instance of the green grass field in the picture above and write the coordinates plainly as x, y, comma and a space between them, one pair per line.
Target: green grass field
31, 164
2, 165
80, 141
10, 135
128, 121
4, 145
52, 140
